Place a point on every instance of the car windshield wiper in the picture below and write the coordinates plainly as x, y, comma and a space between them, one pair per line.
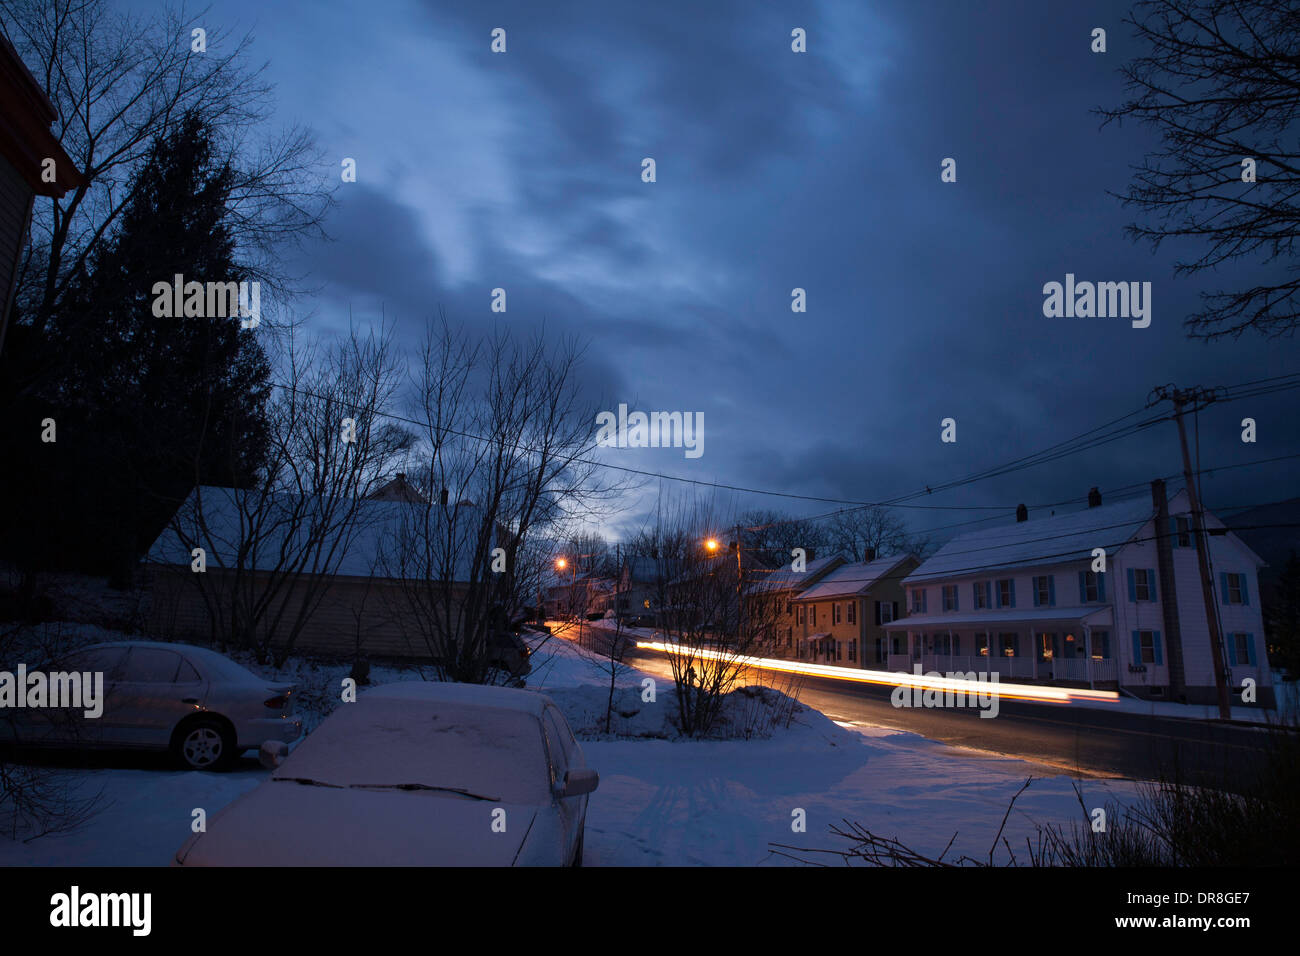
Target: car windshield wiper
421, 786
309, 782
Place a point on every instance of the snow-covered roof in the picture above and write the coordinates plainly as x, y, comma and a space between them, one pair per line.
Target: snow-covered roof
850, 579
1060, 539
785, 578
285, 523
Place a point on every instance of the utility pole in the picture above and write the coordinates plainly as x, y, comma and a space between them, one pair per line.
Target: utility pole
1196, 397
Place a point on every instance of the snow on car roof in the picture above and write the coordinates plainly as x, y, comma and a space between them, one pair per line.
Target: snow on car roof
506, 698
407, 738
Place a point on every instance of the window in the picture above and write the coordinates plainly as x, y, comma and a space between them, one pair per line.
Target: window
1045, 590
1092, 587
1147, 647
787, 608
1234, 589
1101, 645
950, 597
853, 614
885, 609
982, 595
1141, 584
835, 613
982, 645
1182, 529
798, 619
187, 674
1009, 644
956, 645
918, 601
896, 644
853, 648
839, 650
1241, 649
1007, 593
152, 665
812, 615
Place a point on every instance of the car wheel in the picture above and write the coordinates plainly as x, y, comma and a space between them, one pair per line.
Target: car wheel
204, 744
577, 854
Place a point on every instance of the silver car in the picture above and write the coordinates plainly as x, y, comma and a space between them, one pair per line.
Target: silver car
194, 702
414, 773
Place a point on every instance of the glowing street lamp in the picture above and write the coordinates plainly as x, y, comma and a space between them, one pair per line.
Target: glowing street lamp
561, 563
711, 544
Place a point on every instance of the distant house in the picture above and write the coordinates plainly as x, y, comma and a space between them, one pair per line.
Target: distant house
781, 585
841, 618
27, 149
1025, 602
354, 583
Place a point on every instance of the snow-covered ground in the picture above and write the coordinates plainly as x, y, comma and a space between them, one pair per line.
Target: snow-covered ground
661, 801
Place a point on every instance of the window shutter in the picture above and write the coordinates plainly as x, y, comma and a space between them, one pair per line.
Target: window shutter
925, 599
1223, 587
1132, 587
1083, 587
975, 593
1101, 585
1137, 645
1232, 650
1051, 590
999, 593
1013, 592
1151, 583
895, 610
1245, 597
1015, 641
988, 593
1033, 585
1155, 645
1250, 648
956, 598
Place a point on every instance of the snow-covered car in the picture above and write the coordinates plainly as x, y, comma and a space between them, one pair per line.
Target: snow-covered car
192, 701
415, 773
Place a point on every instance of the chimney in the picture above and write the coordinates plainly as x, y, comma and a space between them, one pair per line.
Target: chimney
444, 497
1022, 513
1094, 498
868, 554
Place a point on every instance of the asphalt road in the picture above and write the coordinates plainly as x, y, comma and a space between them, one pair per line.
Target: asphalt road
1067, 738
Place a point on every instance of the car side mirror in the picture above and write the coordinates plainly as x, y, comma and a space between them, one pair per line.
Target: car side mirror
272, 753
578, 782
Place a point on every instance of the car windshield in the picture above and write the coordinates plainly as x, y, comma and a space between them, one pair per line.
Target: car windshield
426, 745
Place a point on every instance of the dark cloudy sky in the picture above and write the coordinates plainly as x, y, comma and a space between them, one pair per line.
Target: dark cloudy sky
775, 170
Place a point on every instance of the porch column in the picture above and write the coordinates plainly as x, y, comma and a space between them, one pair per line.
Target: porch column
1087, 652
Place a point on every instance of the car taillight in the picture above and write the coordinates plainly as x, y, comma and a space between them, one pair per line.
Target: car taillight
277, 703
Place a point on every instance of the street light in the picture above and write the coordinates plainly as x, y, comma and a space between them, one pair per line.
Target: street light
711, 544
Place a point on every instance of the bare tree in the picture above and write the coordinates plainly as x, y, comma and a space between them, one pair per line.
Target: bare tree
774, 535
502, 432
1221, 82
858, 533
118, 82
713, 610
273, 548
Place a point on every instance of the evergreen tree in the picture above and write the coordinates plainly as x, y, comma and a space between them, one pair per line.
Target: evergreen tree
145, 407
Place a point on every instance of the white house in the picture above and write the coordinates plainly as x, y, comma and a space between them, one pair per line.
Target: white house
1024, 601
